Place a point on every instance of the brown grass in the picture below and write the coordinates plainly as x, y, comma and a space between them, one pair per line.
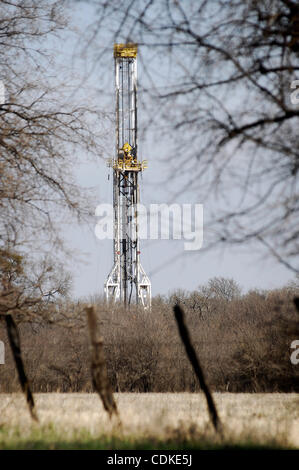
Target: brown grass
271, 419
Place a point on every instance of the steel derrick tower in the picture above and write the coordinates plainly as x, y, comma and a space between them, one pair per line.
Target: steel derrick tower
127, 281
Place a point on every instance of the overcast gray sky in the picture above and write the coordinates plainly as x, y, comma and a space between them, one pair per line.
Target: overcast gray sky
165, 261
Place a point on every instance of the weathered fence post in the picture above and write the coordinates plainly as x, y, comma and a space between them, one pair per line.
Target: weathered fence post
14, 341
99, 373
184, 333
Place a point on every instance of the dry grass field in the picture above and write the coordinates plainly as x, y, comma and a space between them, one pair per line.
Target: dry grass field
151, 420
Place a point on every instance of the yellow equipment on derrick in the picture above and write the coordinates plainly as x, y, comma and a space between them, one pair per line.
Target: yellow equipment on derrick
125, 50
127, 161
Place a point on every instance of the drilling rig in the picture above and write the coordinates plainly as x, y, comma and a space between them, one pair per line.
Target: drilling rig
127, 281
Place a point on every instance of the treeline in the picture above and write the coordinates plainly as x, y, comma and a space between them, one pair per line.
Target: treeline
243, 342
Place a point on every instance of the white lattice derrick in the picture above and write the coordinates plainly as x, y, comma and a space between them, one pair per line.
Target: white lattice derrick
127, 274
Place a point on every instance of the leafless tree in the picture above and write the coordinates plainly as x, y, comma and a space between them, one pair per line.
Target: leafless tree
40, 126
221, 74
31, 291
220, 288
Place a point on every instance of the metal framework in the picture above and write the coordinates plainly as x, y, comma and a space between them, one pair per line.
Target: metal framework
127, 281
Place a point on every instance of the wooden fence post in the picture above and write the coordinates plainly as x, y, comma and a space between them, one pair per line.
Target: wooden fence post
15, 344
99, 373
184, 334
